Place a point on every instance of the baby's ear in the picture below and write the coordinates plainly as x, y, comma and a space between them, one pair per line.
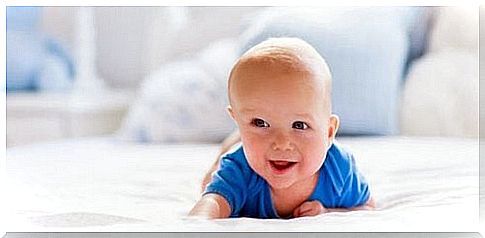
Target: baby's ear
230, 112
333, 124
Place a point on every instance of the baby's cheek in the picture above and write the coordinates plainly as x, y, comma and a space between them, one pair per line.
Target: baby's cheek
311, 141
254, 148
314, 153
254, 140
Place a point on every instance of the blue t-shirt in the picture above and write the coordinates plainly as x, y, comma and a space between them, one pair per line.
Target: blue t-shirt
340, 185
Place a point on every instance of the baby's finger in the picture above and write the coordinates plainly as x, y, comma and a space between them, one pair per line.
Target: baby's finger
310, 212
299, 210
304, 208
308, 205
296, 212
311, 208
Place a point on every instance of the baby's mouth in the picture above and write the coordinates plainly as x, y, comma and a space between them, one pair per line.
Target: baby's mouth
281, 165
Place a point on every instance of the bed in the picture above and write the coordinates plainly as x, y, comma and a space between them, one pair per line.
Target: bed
103, 184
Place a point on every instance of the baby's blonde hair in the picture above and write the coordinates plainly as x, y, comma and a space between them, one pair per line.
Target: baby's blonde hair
294, 55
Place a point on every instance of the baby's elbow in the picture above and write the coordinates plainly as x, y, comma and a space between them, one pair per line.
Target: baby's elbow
211, 206
370, 204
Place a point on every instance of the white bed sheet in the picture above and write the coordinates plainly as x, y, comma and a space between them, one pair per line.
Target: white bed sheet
100, 184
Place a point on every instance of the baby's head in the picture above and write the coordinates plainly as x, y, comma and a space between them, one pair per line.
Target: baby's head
280, 98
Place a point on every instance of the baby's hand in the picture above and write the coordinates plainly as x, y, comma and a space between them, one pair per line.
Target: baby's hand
309, 208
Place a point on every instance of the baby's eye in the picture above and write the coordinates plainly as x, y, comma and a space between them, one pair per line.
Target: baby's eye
259, 123
300, 125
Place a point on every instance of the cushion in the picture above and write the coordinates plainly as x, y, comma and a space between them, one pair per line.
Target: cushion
367, 50
34, 61
185, 100
456, 28
440, 97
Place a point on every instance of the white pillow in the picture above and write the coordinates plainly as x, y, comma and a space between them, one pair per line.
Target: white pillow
455, 27
440, 97
184, 101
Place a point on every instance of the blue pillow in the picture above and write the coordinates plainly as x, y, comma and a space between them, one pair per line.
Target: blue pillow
367, 50
34, 61
23, 18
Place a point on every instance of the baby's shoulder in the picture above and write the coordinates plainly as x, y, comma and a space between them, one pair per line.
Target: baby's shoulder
339, 161
235, 153
235, 158
340, 152
234, 162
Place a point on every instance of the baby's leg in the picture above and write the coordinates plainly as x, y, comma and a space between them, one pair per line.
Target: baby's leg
231, 140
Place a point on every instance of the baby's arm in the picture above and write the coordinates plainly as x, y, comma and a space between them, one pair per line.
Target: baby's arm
355, 189
369, 205
314, 208
211, 206
226, 145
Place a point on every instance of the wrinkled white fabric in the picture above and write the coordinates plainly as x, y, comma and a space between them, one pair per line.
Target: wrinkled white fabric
101, 184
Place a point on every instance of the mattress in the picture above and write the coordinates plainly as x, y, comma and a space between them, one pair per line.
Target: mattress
102, 184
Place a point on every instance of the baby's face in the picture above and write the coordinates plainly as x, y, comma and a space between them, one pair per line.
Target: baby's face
284, 126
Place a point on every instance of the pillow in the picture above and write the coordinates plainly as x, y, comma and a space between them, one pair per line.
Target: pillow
34, 61
455, 27
440, 97
367, 50
23, 18
24, 60
184, 101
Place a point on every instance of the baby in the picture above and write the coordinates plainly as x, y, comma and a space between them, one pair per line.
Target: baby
287, 163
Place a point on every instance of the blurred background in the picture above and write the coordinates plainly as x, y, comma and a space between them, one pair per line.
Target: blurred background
158, 74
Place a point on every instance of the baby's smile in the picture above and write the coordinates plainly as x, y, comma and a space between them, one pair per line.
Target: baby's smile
281, 166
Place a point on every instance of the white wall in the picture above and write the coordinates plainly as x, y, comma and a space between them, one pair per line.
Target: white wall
132, 41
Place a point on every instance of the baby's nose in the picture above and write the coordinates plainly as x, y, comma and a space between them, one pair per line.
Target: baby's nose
282, 142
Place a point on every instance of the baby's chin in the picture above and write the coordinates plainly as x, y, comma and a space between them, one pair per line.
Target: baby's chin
289, 181
280, 183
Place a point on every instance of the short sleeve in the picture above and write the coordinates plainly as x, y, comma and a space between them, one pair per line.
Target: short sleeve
229, 181
342, 185
355, 191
